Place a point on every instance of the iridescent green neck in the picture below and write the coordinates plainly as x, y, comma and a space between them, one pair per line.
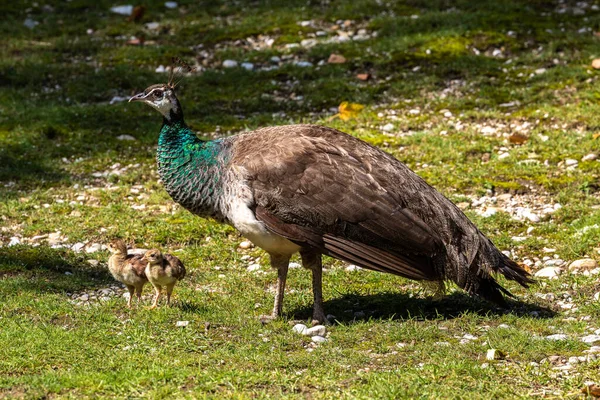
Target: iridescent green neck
190, 168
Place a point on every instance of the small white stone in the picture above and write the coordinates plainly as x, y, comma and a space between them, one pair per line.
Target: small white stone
388, 127
503, 156
230, 64
152, 26
117, 99
126, 137
570, 162
160, 69
549, 272
122, 10
468, 336
353, 268
318, 339
294, 265
253, 267
246, 244
317, 330
493, 354
84, 297
558, 336
171, 4
300, 328
308, 43
583, 264
94, 247
414, 111
68, 273
303, 64
77, 247
540, 71
182, 323
14, 241
247, 66
503, 326
591, 339
93, 263
275, 59
590, 157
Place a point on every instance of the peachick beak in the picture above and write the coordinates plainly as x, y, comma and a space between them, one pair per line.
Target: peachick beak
138, 97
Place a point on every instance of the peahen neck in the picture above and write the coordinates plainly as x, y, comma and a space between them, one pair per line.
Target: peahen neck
191, 169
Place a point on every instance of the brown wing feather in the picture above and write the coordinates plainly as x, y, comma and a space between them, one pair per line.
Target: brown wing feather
138, 264
176, 265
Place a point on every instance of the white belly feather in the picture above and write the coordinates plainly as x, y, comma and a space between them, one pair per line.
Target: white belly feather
237, 199
243, 219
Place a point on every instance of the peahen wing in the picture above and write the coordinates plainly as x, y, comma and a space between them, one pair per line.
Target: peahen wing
322, 188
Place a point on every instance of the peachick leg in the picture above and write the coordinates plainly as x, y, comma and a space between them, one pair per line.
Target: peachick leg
157, 291
169, 291
131, 291
312, 260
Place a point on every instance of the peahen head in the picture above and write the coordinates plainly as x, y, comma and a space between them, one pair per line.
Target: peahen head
162, 98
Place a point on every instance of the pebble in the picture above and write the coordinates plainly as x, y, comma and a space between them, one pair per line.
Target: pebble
84, 297
548, 272
388, 127
182, 323
152, 26
171, 4
126, 138
308, 43
294, 265
275, 59
570, 162
303, 64
253, 267
590, 157
503, 326
230, 64
14, 241
591, 339
122, 10
160, 69
583, 264
246, 244
318, 339
94, 247
353, 268
247, 66
503, 156
558, 336
494, 354
77, 247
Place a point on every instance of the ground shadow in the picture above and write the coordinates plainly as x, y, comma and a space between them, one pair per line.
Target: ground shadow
43, 269
399, 306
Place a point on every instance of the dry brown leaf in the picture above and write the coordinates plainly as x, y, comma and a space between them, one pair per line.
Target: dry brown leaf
349, 110
592, 390
137, 14
336, 59
526, 267
517, 138
363, 77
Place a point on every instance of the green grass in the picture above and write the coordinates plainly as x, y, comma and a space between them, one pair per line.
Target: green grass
58, 140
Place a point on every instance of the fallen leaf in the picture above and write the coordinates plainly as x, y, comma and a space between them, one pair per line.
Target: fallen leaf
336, 59
349, 110
596, 63
137, 14
135, 42
517, 138
592, 390
363, 77
596, 135
526, 267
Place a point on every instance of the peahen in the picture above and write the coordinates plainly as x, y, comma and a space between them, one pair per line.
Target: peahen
315, 190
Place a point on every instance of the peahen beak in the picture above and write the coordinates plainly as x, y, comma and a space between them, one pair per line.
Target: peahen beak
138, 97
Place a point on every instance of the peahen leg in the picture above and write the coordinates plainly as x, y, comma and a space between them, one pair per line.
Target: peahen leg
281, 264
312, 260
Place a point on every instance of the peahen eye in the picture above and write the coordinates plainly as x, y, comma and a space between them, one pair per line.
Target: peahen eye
158, 93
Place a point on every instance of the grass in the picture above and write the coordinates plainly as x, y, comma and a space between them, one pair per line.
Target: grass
62, 168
